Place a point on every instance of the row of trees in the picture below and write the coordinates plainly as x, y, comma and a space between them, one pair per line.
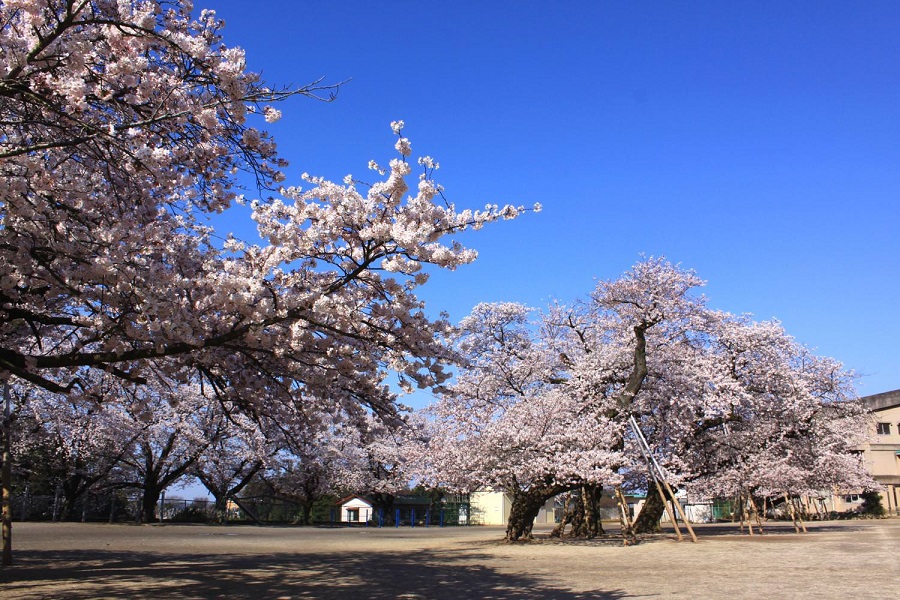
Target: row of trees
70, 449
544, 403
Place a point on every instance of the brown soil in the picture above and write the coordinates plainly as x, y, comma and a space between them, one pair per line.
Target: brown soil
842, 559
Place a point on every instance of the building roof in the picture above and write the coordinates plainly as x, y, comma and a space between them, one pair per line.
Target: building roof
882, 401
346, 499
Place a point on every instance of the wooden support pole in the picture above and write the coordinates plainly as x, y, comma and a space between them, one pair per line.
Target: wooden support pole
656, 472
745, 514
815, 504
677, 505
668, 508
628, 537
789, 504
755, 511
800, 518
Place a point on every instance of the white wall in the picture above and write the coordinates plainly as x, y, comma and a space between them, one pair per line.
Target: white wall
364, 508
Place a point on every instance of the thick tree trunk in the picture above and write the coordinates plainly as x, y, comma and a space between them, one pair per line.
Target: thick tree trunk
149, 499
305, 512
70, 495
582, 512
592, 522
6, 485
221, 502
647, 520
525, 507
220, 505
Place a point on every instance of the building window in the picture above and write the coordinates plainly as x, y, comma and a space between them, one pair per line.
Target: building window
852, 498
353, 515
883, 429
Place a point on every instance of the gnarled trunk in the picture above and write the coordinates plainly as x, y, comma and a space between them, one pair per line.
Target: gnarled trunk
525, 507
582, 512
647, 520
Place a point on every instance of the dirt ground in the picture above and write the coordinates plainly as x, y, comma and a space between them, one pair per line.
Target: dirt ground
838, 559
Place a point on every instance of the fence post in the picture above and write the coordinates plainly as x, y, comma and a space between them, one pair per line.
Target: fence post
397, 520
24, 515
56, 500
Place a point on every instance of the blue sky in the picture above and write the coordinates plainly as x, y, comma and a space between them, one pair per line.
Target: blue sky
755, 142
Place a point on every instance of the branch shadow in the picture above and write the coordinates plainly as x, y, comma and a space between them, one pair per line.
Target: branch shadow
424, 574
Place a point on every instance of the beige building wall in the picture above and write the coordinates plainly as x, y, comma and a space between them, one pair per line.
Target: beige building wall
882, 453
488, 507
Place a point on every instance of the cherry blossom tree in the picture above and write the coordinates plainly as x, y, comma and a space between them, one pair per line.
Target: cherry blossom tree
369, 458
81, 442
534, 411
124, 124
777, 420
176, 425
545, 406
315, 464
233, 458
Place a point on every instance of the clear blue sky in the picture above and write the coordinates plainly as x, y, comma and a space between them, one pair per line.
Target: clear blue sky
755, 142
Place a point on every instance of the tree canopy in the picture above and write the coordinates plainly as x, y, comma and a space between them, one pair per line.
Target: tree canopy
545, 401
122, 126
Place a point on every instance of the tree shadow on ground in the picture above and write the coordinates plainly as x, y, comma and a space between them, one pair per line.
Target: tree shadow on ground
421, 574
784, 529
780, 528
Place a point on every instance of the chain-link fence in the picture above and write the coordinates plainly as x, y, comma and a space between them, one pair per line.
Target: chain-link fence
123, 506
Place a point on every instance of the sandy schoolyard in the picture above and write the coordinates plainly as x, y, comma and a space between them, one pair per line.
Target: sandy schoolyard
838, 559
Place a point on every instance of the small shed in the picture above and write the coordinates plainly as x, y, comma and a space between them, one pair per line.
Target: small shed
355, 509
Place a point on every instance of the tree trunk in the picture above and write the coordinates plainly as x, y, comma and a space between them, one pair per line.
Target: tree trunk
525, 507
582, 511
647, 520
6, 476
149, 500
383, 502
306, 512
567, 517
592, 522
220, 505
